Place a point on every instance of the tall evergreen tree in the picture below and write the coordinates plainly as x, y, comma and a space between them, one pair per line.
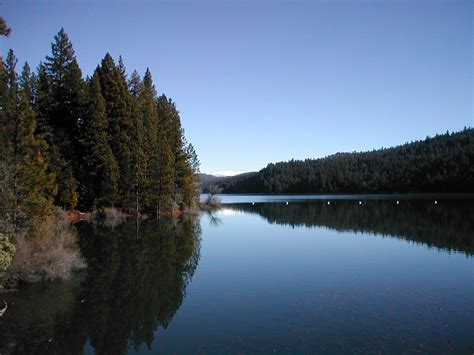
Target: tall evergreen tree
100, 168
118, 108
172, 132
60, 106
149, 113
3, 105
37, 182
8, 127
193, 159
165, 178
137, 136
27, 195
182, 170
192, 185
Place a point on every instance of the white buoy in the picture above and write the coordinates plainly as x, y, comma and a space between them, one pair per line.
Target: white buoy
360, 202
398, 202
436, 202
286, 202
253, 203
329, 203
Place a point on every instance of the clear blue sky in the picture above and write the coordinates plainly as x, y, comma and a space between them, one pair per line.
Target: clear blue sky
267, 81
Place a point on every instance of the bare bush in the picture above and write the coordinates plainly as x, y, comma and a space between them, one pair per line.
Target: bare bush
212, 202
47, 252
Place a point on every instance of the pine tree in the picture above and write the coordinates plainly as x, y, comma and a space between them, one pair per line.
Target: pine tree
137, 136
100, 166
27, 194
193, 159
60, 105
149, 113
3, 105
165, 178
8, 126
181, 168
5, 167
118, 109
192, 185
37, 183
185, 184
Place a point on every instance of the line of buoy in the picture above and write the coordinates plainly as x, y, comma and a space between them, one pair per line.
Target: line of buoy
360, 203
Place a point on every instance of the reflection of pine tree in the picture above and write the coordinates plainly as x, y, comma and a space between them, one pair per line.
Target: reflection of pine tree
135, 284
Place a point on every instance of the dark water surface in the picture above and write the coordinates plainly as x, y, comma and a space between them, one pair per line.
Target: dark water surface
266, 277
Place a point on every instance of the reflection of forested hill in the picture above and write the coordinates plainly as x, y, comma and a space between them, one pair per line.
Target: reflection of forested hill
135, 283
447, 225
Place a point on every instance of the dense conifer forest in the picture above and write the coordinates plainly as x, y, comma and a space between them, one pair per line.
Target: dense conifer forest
106, 140
444, 163
74, 143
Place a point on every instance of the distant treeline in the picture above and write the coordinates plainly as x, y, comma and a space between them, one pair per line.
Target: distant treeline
444, 163
445, 225
208, 182
107, 140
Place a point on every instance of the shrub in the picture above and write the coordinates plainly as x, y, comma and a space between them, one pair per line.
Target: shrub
47, 252
7, 250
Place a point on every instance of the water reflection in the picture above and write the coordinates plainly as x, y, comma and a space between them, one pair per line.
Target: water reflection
262, 287
448, 224
135, 283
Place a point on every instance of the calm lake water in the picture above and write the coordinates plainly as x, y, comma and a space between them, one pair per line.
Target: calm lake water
263, 276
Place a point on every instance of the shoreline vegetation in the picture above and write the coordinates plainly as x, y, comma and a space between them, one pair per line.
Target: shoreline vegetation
134, 284
212, 201
107, 144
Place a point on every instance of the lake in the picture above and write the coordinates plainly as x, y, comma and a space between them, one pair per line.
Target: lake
264, 274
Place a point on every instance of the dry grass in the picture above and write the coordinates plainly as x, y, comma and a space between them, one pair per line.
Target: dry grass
47, 252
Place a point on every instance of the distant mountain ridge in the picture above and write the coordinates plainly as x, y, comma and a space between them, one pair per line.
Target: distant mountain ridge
444, 163
224, 182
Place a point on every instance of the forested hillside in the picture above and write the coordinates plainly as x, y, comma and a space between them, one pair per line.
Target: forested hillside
444, 163
209, 181
106, 140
